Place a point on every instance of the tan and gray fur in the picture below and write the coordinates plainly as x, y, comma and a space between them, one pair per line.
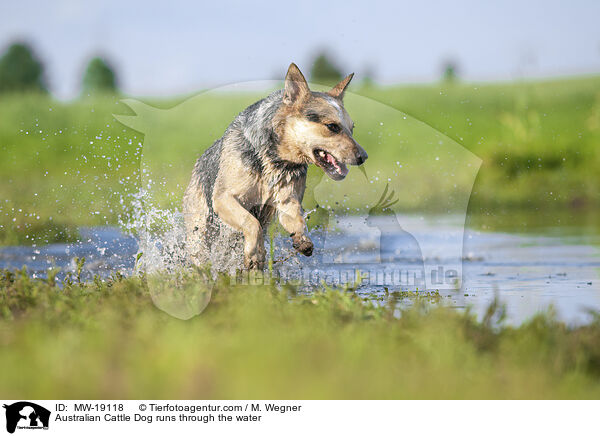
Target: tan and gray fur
257, 170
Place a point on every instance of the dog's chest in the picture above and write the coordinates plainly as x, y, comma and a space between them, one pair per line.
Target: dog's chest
271, 191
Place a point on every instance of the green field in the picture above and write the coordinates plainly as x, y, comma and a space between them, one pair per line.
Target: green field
107, 340
66, 165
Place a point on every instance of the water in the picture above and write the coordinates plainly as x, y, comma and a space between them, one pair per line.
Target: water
527, 271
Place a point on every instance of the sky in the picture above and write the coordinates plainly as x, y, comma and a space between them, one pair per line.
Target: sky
179, 47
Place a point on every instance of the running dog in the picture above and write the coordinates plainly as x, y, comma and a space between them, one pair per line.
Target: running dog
258, 168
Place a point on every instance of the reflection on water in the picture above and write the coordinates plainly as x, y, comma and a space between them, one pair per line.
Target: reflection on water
554, 266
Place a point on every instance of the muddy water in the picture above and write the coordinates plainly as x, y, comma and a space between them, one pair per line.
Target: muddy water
528, 272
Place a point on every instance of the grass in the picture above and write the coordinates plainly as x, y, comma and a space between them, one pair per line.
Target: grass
107, 340
536, 139
66, 165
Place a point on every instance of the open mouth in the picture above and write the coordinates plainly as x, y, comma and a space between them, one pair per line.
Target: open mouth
332, 167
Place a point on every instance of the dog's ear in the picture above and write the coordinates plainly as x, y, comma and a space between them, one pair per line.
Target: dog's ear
296, 87
338, 90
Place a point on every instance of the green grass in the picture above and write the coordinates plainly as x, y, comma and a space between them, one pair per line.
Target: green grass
66, 165
538, 140
107, 340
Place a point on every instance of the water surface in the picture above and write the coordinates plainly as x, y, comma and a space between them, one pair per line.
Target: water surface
529, 271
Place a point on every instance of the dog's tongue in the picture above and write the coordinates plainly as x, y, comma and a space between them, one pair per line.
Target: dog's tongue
341, 168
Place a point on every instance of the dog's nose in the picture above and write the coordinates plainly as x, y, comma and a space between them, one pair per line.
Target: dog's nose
361, 156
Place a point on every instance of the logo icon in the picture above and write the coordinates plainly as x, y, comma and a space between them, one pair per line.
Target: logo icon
375, 222
26, 415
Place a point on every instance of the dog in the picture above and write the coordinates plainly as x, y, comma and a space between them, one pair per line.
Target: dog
258, 169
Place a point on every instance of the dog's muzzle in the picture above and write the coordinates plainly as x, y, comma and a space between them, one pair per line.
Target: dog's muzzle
361, 155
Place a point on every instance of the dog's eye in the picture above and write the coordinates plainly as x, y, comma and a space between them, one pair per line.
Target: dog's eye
333, 127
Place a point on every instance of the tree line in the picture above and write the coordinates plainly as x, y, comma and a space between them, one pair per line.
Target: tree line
22, 71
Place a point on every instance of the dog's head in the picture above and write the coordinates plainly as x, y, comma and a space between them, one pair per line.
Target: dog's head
315, 127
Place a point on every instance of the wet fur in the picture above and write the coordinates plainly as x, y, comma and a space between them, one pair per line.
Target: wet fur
257, 169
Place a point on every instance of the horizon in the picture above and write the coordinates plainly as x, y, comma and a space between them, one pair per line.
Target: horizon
189, 47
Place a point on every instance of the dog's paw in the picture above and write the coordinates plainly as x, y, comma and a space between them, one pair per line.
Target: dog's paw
255, 258
302, 244
254, 264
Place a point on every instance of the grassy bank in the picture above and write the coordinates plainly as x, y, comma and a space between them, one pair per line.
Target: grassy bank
107, 340
538, 140
66, 165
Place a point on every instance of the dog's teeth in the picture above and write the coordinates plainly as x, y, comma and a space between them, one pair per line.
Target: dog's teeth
321, 153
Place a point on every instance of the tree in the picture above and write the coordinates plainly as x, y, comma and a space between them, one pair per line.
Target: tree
325, 71
450, 75
99, 77
20, 70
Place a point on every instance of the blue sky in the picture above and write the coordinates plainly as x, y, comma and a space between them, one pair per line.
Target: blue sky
178, 47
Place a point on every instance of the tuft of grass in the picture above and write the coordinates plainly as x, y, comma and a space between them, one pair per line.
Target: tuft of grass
107, 340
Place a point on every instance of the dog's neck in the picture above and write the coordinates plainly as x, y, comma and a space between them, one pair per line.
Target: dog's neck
264, 134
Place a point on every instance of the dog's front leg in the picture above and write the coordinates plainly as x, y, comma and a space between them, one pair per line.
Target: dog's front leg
292, 220
233, 213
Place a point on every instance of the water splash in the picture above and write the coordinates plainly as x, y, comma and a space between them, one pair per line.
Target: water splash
159, 232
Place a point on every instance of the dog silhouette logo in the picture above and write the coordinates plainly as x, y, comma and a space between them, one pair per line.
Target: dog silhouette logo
26, 415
